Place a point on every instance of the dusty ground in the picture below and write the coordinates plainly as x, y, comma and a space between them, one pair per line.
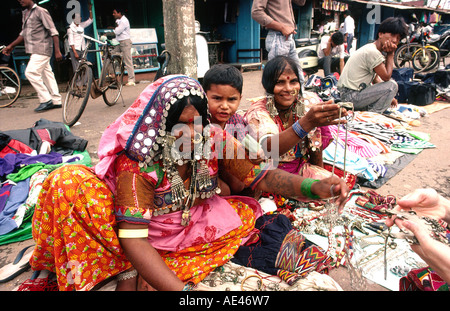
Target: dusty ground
428, 169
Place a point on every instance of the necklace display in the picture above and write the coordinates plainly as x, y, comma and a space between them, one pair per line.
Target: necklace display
332, 219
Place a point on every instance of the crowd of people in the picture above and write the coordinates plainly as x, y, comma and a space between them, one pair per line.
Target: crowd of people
167, 203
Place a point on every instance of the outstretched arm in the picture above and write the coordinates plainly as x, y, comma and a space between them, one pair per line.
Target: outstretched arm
290, 185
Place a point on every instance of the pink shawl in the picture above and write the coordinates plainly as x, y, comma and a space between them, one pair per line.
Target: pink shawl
116, 135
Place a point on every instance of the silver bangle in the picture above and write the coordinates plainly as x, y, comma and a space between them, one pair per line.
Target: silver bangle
127, 275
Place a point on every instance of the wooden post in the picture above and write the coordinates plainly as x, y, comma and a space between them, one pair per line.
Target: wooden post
179, 34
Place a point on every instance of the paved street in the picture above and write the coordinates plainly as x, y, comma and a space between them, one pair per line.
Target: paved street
431, 168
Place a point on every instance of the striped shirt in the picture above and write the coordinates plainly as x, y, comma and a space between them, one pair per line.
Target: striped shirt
37, 31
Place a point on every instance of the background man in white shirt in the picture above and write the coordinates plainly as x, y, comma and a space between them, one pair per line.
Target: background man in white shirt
332, 53
349, 29
75, 37
122, 32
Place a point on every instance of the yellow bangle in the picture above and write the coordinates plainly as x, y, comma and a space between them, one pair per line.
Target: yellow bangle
133, 233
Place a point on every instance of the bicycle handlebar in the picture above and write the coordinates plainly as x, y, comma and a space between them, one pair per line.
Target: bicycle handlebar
95, 40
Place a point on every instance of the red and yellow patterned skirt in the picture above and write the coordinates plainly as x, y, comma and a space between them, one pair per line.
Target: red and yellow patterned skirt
75, 232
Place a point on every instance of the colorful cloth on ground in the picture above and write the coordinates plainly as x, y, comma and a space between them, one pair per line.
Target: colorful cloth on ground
376, 118
27, 208
423, 279
355, 144
354, 163
282, 250
17, 197
74, 230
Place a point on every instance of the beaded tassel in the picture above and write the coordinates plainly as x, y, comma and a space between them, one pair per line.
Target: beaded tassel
203, 177
179, 193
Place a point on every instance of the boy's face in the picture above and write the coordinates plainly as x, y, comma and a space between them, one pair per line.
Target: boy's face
223, 101
389, 41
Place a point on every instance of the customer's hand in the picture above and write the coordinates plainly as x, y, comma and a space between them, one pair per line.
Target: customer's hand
425, 202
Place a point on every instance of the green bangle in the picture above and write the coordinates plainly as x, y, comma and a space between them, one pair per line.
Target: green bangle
305, 188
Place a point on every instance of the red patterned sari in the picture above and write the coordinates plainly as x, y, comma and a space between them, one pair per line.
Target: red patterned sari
76, 217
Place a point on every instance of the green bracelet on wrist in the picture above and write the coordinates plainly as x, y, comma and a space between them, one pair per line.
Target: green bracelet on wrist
305, 188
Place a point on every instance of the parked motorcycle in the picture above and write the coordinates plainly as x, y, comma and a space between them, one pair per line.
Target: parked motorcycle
307, 50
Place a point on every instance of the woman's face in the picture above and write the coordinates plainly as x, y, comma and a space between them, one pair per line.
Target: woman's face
188, 128
286, 88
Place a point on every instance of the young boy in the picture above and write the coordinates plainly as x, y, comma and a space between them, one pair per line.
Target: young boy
223, 87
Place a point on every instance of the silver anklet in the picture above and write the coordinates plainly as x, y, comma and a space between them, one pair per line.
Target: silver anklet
127, 275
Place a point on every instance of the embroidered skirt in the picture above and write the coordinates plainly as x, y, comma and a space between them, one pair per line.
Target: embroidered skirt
194, 263
74, 230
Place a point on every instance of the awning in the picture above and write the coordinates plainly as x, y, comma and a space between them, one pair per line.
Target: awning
396, 5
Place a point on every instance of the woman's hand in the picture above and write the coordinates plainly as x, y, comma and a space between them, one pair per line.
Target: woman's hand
332, 186
323, 114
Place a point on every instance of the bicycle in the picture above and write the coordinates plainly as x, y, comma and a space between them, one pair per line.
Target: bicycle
403, 55
10, 84
82, 85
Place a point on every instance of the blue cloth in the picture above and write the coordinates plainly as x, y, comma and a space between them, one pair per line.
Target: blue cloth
18, 196
10, 162
354, 163
5, 191
262, 255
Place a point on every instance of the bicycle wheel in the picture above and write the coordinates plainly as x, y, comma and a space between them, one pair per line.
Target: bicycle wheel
112, 80
435, 59
77, 95
421, 60
10, 86
403, 55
